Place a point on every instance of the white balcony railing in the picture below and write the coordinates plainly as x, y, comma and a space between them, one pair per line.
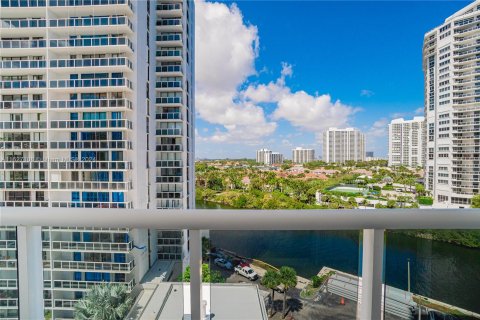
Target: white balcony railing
372, 222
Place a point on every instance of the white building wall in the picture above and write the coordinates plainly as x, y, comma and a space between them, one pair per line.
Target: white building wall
340, 145
452, 109
406, 142
92, 89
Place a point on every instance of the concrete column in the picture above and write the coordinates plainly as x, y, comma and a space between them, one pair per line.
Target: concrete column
372, 274
30, 272
196, 274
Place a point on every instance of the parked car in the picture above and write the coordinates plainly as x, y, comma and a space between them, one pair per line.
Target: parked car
246, 272
223, 263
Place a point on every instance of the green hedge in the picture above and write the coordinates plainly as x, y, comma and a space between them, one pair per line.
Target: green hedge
426, 201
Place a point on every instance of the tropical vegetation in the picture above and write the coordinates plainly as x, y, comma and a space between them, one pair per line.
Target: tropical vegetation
104, 302
208, 276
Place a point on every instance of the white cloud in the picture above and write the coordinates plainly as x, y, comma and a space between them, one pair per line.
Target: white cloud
419, 111
379, 128
225, 58
302, 110
366, 93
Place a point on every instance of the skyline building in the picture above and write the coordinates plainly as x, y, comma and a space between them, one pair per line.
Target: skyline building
452, 108
268, 157
301, 155
96, 108
406, 142
340, 145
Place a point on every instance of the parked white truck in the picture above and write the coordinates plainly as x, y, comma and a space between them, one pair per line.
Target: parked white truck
247, 272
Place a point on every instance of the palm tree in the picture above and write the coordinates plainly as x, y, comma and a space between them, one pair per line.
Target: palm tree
271, 280
104, 302
288, 278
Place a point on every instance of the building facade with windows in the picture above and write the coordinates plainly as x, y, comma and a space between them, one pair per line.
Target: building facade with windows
96, 111
452, 108
340, 145
406, 142
302, 155
268, 157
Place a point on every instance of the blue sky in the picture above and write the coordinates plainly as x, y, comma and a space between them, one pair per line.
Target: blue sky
367, 56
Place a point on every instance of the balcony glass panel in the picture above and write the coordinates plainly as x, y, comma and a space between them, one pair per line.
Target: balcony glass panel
435, 271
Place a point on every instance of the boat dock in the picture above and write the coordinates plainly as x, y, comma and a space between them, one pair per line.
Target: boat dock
400, 303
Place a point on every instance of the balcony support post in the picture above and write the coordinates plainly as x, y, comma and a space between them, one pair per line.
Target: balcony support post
196, 275
30, 272
371, 295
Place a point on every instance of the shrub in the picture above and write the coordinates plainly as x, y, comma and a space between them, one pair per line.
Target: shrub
316, 281
426, 201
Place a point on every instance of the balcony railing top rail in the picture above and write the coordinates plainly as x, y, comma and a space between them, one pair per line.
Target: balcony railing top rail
342, 219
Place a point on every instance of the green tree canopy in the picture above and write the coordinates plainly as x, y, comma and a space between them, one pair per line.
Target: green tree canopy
208, 276
104, 302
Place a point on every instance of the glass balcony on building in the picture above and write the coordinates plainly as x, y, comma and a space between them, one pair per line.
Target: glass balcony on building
22, 125
170, 38
22, 3
169, 163
168, 84
23, 84
35, 204
168, 132
107, 144
168, 100
79, 3
169, 147
23, 165
104, 44
168, 116
22, 23
91, 21
92, 103
90, 165
23, 185
170, 69
35, 104
88, 246
120, 64
89, 185
105, 205
90, 124
91, 83
22, 64
88, 266
23, 145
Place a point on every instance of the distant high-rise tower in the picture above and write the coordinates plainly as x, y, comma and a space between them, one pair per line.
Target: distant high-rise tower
265, 156
96, 111
340, 145
406, 142
301, 155
452, 108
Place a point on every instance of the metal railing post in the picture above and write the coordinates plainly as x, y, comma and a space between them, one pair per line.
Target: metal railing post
30, 272
196, 275
370, 306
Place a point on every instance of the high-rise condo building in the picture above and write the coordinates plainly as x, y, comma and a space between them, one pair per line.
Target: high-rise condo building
406, 142
301, 155
276, 158
340, 145
452, 108
265, 156
96, 108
